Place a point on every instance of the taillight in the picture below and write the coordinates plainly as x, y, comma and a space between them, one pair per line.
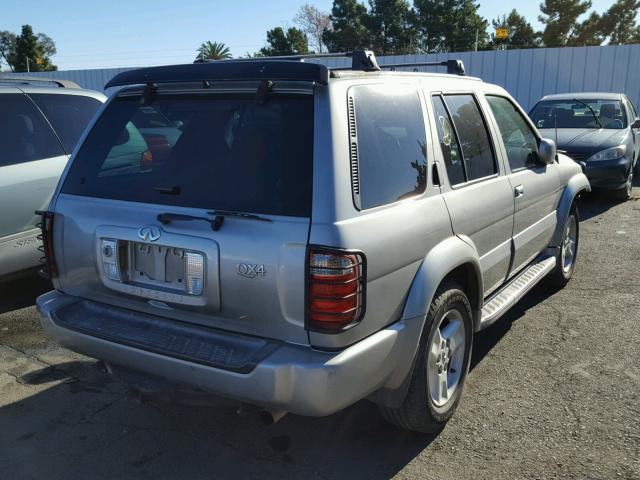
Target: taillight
335, 289
50, 269
146, 161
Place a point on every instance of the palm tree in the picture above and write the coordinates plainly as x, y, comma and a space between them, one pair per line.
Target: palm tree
213, 51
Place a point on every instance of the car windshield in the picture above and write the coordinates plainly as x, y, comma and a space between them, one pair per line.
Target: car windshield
579, 113
226, 152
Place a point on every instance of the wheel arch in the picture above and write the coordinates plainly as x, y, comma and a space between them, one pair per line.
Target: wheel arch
576, 184
452, 259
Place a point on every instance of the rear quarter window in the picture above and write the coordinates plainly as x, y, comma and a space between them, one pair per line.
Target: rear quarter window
25, 135
68, 114
391, 143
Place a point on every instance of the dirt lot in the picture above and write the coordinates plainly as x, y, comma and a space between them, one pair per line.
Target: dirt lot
554, 393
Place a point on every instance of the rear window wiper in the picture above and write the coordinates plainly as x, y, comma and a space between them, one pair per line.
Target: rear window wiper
167, 218
216, 222
248, 216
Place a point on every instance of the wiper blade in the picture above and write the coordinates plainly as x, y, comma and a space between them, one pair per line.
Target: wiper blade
591, 110
248, 216
167, 218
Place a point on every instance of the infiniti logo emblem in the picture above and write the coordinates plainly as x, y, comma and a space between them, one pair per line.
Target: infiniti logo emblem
149, 234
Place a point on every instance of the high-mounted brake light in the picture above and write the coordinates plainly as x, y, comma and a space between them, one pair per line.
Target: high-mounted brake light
335, 289
50, 269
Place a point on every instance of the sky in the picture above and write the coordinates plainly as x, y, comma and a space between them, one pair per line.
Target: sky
90, 34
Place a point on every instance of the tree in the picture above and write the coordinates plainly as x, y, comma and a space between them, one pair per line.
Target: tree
348, 32
560, 18
587, 33
293, 42
618, 23
449, 25
313, 22
30, 52
521, 33
390, 27
7, 46
213, 51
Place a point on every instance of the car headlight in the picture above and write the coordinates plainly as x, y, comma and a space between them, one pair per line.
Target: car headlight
608, 154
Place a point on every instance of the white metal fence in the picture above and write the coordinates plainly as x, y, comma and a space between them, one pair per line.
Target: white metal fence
526, 74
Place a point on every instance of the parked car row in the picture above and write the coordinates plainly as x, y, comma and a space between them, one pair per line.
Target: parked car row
301, 238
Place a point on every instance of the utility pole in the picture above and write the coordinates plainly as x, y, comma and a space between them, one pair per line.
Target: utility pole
28, 65
475, 46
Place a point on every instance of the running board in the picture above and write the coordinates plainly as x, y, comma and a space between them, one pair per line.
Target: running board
509, 295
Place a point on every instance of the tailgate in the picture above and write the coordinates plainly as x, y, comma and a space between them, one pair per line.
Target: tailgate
195, 208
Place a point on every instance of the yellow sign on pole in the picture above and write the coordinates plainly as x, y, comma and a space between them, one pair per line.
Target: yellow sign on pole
502, 33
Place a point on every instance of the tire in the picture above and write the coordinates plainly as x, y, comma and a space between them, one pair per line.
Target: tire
624, 194
563, 270
423, 409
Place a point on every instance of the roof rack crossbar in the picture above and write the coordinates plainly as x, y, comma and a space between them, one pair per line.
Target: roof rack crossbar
454, 67
27, 80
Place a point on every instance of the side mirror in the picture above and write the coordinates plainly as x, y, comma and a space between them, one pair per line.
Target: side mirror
547, 151
636, 123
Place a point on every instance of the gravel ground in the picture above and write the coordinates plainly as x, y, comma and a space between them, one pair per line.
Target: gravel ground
553, 393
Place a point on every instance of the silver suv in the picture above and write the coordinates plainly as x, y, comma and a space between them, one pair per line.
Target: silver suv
302, 238
42, 121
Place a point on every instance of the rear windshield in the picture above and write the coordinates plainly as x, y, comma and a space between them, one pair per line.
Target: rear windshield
579, 113
209, 151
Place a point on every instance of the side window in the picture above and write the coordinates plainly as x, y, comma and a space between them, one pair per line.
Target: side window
25, 134
448, 143
519, 139
479, 161
391, 143
68, 114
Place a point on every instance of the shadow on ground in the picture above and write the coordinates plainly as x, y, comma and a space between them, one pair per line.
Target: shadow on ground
87, 425
21, 291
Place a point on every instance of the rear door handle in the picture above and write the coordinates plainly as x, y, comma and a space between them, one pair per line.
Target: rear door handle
518, 191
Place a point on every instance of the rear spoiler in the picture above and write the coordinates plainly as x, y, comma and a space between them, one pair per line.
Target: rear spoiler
224, 70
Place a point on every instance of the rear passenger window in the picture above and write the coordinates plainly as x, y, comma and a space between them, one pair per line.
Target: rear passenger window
448, 143
68, 114
24, 134
479, 161
391, 143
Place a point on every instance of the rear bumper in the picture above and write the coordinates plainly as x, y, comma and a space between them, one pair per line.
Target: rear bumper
608, 174
287, 377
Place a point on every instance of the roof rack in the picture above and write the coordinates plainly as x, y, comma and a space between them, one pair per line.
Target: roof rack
454, 67
29, 80
360, 59
288, 67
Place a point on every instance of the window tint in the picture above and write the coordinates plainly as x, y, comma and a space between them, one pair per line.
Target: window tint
217, 152
24, 133
448, 143
478, 156
391, 143
68, 114
518, 138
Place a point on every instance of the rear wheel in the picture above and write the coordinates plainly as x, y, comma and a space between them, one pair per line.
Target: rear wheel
441, 365
567, 252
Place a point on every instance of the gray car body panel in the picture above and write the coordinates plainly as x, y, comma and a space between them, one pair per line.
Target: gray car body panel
25, 188
411, 246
